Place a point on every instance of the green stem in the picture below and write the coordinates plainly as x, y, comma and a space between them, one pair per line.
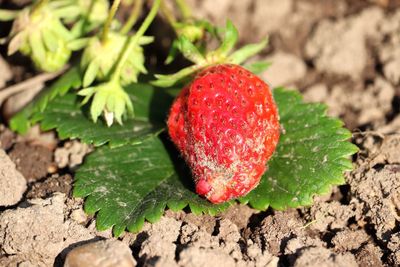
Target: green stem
185, 9
110, 17
137, 7
38, 5
132, 41
6, 15
169, 15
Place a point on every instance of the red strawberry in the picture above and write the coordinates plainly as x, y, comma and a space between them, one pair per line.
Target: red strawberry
225, 123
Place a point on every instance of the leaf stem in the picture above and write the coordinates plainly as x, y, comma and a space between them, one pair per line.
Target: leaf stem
6, 15
38, 5
137, 7
169, 15
110, 17
185, 9
133, 40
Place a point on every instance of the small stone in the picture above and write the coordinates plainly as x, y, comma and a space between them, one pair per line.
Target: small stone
79, 216
12, 183
105, 253
71, 154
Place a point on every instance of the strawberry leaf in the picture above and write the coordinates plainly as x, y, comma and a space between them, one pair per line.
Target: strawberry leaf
133, 183
312, 155
239, 56
66, 115
23, 120
230, 38
258, 67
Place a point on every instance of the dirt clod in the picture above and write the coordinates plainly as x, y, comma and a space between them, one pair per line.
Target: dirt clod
322, 257
286, 70
348, 240
332, 216
369, 256
197, 256
380, 211
276, 230
339, 47
12, 183
33, 232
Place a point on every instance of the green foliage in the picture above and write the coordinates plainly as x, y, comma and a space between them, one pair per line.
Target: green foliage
140, 173
131, 183
202, 59
65, 114
311, 156
23, 120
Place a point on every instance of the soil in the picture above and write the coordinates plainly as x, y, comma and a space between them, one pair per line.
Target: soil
345, 54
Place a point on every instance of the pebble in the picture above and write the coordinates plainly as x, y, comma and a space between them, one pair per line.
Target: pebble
105, 253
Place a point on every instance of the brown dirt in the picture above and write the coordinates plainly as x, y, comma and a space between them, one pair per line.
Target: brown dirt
343, 53
33, 161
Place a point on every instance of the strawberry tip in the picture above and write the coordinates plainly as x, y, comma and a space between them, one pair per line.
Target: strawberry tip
202, 187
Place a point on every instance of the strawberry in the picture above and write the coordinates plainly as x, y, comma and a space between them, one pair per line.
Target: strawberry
225, 124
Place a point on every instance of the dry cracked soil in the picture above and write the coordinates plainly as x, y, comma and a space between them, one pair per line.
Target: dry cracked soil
342, 53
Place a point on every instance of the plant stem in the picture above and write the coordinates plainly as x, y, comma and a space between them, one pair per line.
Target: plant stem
110, 17
169, 15
137, 7
133, 40
185, 9
6, 15
38, 5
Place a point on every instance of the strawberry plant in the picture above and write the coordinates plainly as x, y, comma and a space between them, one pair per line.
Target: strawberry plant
214, 120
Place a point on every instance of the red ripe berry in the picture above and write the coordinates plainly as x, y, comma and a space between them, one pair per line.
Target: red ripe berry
225, 123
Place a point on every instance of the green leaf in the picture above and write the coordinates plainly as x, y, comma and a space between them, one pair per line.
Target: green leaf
66, 115
239, 56
90, 73
258, 67
50, 40
133, 183
230, 39
311, 156
78, 44
189, 50
171, 79
22, 121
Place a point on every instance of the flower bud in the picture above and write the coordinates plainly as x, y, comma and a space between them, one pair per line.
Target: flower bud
109, 99
101, 57
37, 32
